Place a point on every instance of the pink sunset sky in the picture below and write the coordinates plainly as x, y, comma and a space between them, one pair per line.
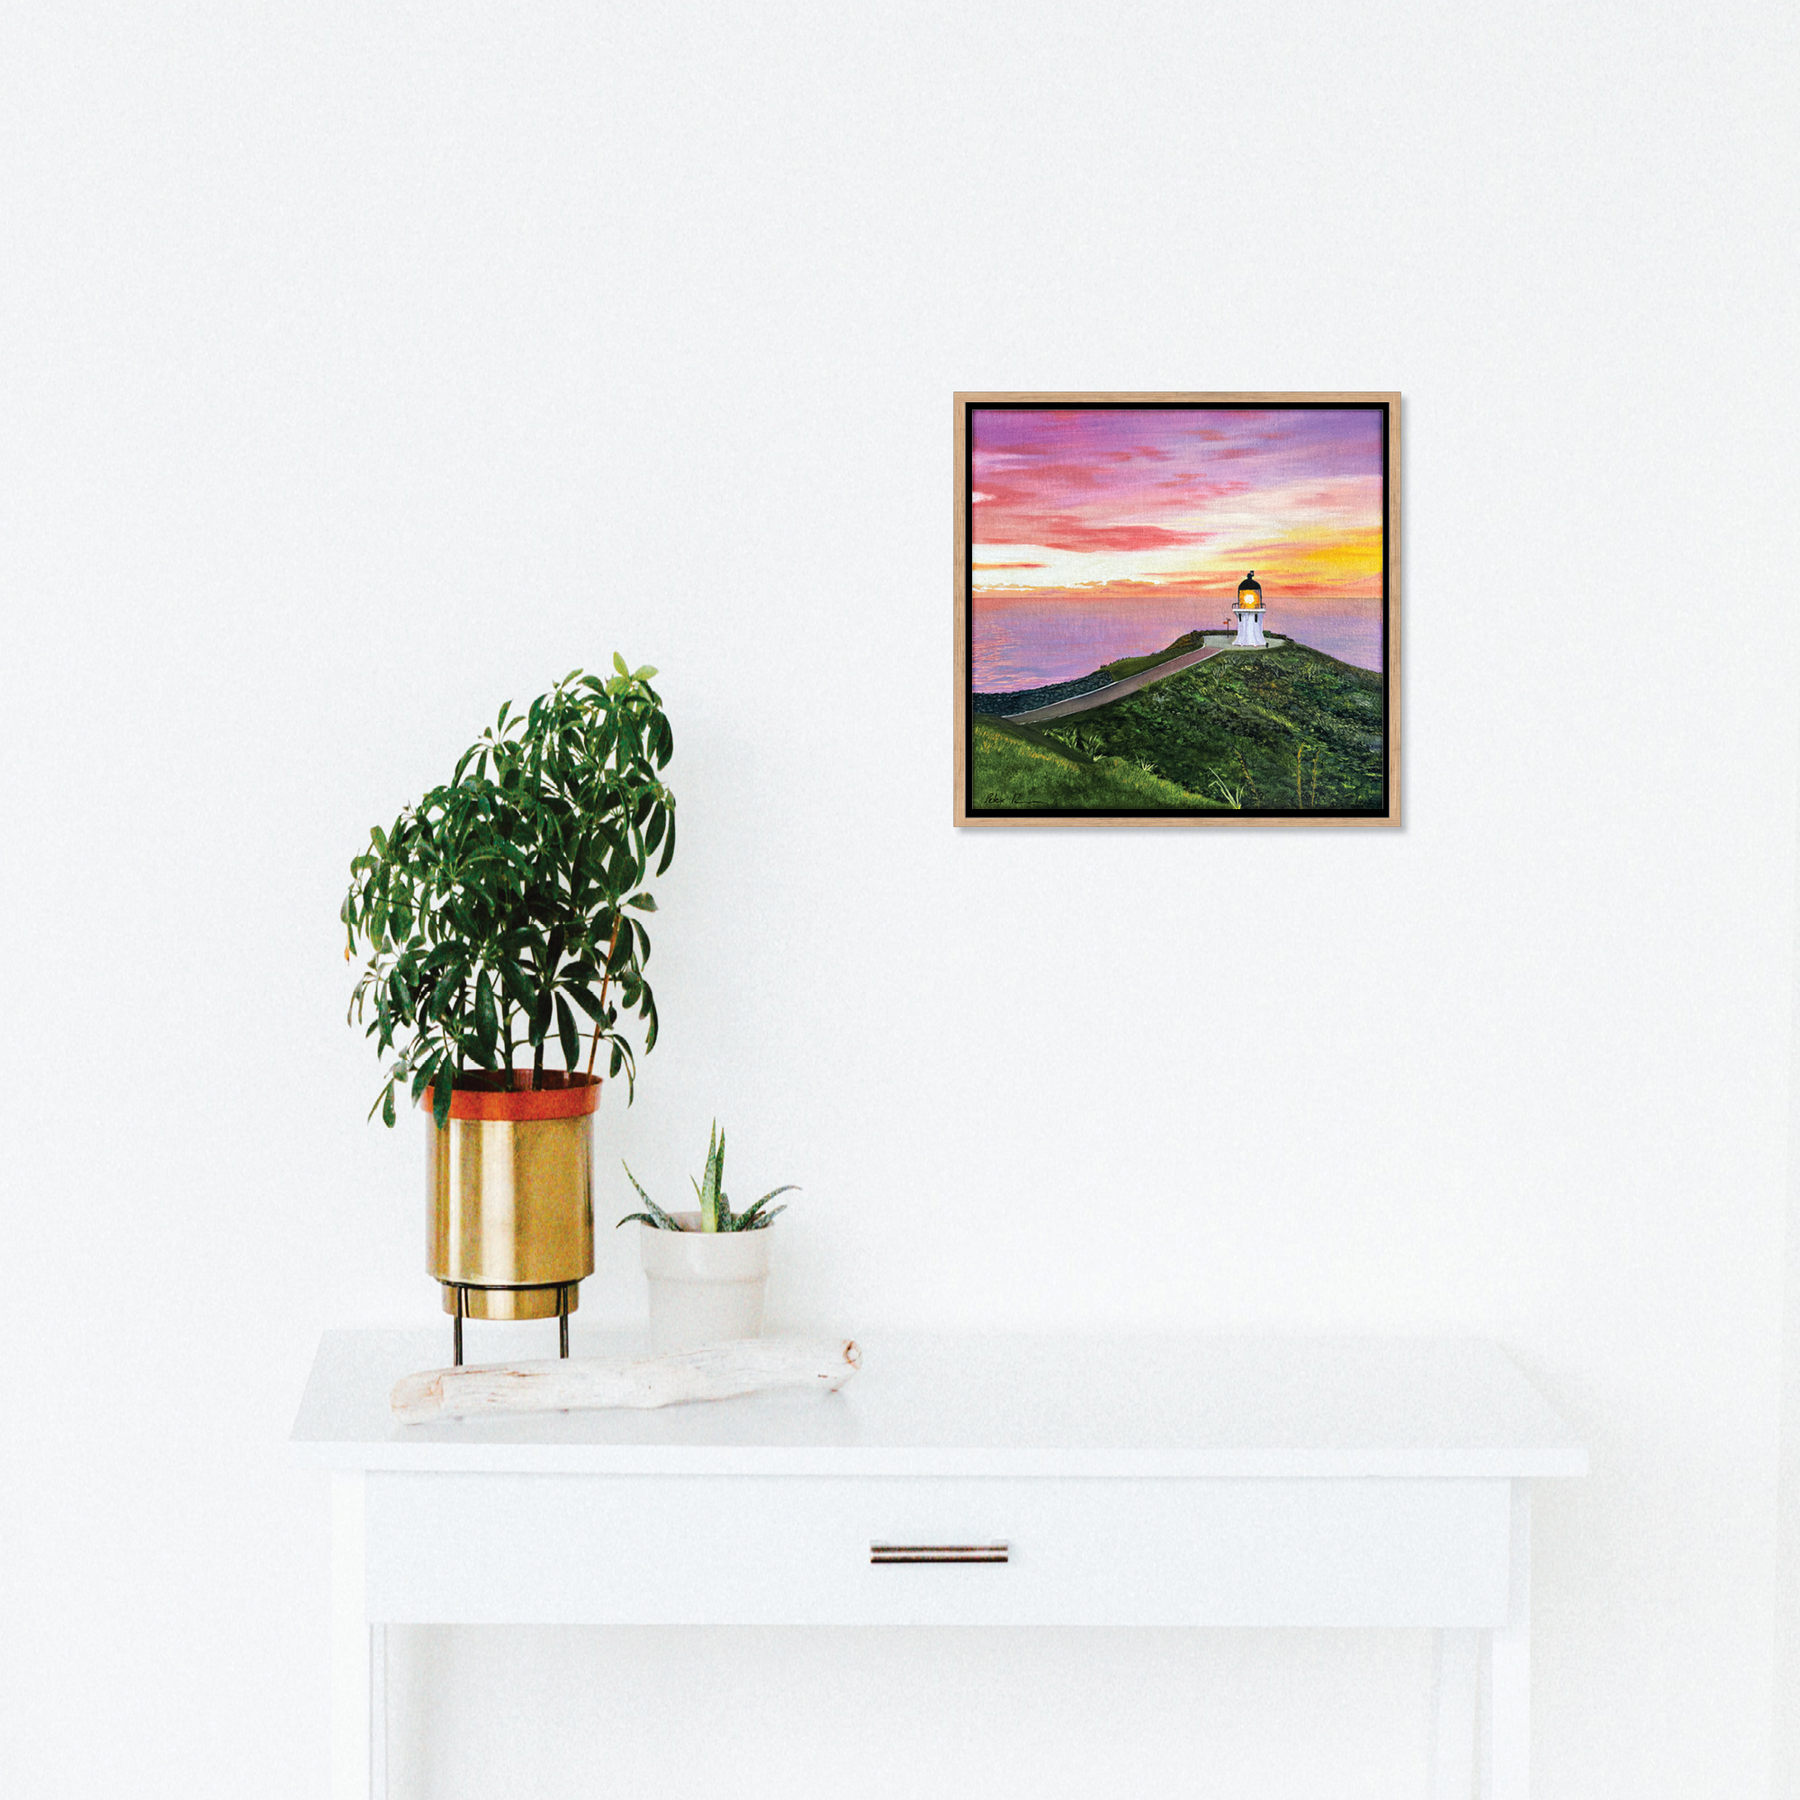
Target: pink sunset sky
1131, 503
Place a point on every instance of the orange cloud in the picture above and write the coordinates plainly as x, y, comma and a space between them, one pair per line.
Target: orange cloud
1300, 566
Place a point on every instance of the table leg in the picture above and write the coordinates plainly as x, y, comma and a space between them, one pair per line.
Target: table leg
357, 1653
1453, 1715
1506, 1682
378, 1732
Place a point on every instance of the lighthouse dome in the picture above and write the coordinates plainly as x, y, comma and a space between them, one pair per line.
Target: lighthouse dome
1249, 593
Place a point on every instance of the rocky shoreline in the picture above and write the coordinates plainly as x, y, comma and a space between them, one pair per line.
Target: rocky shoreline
1026, 699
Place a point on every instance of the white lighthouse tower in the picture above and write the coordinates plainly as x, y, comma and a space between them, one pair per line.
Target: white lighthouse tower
1248, 613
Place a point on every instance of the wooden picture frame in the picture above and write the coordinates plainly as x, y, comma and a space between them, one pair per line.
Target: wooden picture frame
1091, 474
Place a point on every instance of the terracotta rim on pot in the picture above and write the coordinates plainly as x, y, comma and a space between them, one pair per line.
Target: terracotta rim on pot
508, 1097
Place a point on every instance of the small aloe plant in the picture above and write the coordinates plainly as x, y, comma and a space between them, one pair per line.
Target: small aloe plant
715, 1208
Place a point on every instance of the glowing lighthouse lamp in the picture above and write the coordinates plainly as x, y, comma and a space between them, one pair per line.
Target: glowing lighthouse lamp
1248, 613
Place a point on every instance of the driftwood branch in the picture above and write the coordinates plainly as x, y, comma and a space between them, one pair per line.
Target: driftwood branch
580, 1384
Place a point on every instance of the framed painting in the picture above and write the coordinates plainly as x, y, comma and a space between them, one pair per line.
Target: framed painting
1177, 609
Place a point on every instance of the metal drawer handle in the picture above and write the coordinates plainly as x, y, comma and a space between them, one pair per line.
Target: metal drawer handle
937, 1553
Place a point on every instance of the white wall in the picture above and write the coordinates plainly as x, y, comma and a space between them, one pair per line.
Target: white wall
365, 366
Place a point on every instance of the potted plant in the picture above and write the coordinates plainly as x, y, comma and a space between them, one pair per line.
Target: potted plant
499, 919
708, 1268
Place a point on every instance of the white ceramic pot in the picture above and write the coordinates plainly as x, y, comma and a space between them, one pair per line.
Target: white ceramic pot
705, 1286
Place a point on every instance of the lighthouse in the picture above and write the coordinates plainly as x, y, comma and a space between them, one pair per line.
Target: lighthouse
1248, 613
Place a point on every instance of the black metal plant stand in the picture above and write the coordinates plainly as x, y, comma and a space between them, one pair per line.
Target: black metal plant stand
462, 1312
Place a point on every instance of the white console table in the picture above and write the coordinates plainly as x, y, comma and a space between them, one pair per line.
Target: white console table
1123, 1481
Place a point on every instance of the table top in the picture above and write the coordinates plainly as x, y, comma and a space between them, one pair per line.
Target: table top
1267, 1407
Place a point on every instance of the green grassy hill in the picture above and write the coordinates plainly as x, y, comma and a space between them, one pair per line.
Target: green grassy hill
1133, 665
1025, 770
1283, 729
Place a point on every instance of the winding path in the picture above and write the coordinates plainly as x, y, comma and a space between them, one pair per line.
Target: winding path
1117, 691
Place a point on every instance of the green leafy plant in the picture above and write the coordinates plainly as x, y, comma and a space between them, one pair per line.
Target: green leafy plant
503, 900
715, 1208
1301, 797
1232, 796
1249, 779
1071, 739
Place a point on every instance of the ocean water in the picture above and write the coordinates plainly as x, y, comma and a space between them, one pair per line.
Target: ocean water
1021, 643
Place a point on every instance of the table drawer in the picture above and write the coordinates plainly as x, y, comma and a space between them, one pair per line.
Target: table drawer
584, 1549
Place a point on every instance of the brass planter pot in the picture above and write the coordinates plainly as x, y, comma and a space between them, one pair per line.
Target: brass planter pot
509, 1194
